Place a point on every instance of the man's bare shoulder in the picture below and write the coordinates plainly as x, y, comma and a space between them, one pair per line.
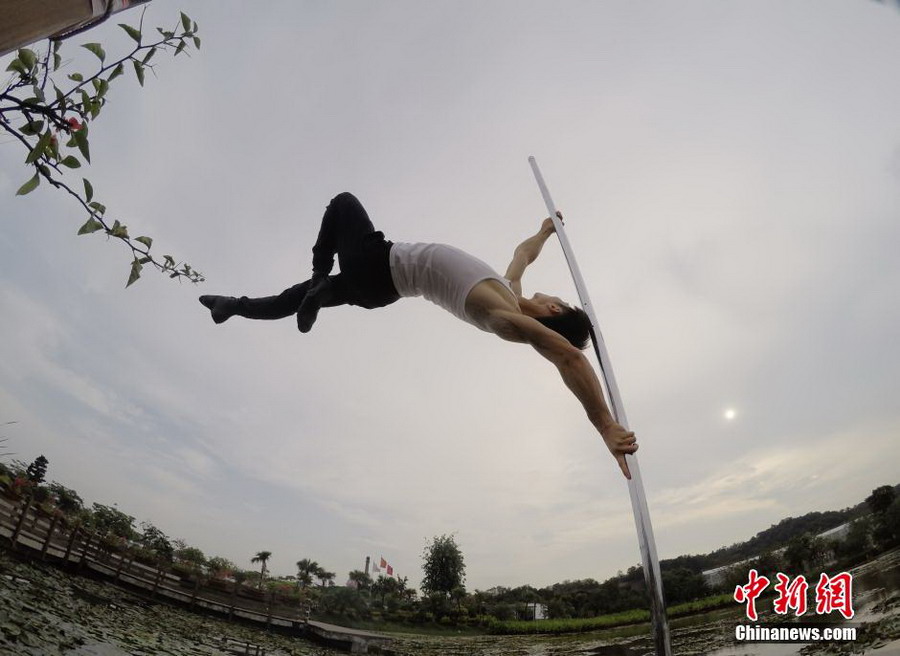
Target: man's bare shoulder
488, 298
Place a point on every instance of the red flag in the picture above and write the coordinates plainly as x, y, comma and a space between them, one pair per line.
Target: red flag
383, 562
390, 570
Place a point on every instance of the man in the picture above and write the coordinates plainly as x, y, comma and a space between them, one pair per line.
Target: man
375, 272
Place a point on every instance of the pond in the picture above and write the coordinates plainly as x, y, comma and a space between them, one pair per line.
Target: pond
43, 610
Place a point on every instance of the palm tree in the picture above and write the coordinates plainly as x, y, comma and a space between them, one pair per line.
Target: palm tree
361, 579
325, 577
306, 569
261, 557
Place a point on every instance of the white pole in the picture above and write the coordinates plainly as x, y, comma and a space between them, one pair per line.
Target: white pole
635, 486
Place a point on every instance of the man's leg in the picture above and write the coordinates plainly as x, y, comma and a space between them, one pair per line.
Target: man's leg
344, 228
344, 225
280, 306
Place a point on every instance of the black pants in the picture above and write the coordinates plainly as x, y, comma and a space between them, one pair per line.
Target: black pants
363, 254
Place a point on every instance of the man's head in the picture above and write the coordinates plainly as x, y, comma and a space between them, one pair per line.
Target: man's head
569, 321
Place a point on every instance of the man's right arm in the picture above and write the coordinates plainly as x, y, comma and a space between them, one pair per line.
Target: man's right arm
577, 374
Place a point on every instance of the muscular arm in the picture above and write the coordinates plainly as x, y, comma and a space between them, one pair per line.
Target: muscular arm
526, 253
577, 374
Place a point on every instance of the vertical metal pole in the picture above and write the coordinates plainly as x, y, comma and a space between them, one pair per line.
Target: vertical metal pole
635, 486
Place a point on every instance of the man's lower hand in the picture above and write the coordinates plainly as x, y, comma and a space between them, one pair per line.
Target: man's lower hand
619, 442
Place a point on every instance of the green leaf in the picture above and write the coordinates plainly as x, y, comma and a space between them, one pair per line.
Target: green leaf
81, 140
88, 190
92, 225
118, 230
145, 260
117, 71
39, 149
197, 42
99, 207
32, 128
180, 47
57, 61
170, 261
97, 49
27, 57
185, 22
139, 71
135, 273
166, 34
17, 66
149, 55
29, 186
76, 77
132, 32
72, 162
39, 93
101, 86
146, 241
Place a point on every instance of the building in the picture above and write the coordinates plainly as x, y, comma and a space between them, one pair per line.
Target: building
27, 21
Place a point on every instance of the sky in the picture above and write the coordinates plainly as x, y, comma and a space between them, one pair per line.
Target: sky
730, 177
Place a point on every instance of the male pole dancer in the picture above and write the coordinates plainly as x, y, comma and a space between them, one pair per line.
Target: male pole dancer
375, 272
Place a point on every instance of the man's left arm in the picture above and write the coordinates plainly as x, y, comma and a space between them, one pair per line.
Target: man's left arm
526, 253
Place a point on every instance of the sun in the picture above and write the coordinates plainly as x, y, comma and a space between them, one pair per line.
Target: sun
729, 414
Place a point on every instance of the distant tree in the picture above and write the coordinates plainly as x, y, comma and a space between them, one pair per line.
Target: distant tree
110, 520
49, 114
219, 567
682, 585
261, 557
343, 602
385, 586
362, 580
769, 564
37, 470
886, 531
67, 500
444, 566
325, 577
804, 551
881, 499
156, 541
306, 570
191, 555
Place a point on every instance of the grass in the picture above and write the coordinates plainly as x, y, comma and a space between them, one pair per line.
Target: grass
580, 625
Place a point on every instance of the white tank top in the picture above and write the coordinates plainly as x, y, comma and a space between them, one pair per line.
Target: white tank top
442, 274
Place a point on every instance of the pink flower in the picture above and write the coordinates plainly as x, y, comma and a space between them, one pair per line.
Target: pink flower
74, 124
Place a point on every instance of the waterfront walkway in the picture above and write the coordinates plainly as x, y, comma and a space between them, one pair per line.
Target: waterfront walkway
34, 534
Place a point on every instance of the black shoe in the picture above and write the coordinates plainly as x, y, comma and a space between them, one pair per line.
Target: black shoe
220, 307
312, 302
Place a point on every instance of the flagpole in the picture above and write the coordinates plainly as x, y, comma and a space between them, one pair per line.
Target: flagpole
639, 506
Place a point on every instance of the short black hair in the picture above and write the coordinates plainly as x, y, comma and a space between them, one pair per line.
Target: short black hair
572, 323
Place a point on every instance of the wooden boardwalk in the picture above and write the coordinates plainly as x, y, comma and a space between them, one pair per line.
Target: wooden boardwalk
43, 538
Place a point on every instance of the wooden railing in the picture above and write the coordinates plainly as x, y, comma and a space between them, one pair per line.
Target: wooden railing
29, 530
